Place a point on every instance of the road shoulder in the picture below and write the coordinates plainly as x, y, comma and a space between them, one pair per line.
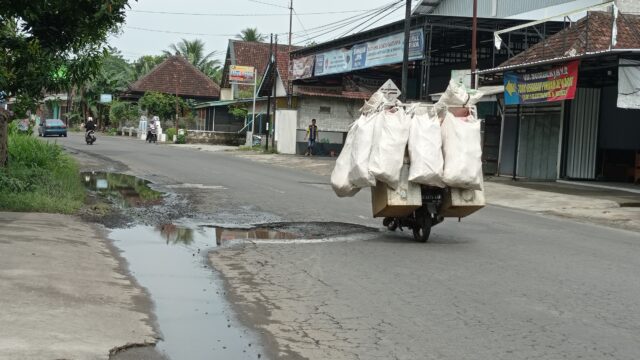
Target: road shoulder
65, 292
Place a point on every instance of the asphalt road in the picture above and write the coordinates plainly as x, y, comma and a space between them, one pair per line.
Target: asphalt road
502, 284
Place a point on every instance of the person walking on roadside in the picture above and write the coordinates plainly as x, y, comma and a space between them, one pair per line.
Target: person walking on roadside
312, 136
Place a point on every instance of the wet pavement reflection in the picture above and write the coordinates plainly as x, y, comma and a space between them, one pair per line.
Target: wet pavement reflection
195, 320
123, 190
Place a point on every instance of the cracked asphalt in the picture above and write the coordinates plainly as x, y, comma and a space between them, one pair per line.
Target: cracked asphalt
502, 284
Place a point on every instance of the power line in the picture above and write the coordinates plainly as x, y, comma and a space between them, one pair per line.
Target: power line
244, 15
400, 6
337, 25
271, 4
369, 16
175, 32
372, 17
300, 21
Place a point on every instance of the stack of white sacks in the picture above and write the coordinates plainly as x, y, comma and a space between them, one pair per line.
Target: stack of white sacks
443, 146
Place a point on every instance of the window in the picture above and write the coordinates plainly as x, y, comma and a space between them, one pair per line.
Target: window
325, 110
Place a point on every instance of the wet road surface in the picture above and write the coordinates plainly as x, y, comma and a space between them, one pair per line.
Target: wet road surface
503, 284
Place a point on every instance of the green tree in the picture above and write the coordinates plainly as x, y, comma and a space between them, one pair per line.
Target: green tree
50, 45
113, 76
144, 64
161, 105
251, 34
122, 113
195, 53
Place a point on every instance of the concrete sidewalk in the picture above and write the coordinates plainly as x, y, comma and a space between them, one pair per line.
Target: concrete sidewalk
63, 293
608, 207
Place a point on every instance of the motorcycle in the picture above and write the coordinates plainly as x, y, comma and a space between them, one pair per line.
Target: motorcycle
90, 137
152, 136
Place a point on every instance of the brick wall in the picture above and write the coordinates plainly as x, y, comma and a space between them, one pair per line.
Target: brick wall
342, 112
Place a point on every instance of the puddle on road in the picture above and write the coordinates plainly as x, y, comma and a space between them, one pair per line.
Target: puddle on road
193, 315
195, 320
123, 190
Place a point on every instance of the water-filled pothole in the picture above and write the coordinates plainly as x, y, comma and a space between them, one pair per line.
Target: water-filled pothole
123, 190
193, 315
170, 261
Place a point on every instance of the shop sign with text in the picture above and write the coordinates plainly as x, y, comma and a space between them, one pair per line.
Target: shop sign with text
333, 62
388, 50
241, 74
556, 84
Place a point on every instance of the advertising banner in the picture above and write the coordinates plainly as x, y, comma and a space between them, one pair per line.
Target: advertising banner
333, 62
241, 74
546, 86
388, 50
302, 68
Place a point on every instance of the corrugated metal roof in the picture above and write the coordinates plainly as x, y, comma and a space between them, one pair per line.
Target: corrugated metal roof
486, 8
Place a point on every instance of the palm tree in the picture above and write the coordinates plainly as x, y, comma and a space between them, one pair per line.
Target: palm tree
194, 52
144, 64
251, 34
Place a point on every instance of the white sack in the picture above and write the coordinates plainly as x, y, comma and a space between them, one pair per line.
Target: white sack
425, 149
373, 103
457, 95
359, 175
340, 175
462, 152
389, 143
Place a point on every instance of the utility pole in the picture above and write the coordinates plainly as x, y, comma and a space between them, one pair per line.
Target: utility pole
289, 84
269, 93
405, 57
290, 22
474, 45
275, 81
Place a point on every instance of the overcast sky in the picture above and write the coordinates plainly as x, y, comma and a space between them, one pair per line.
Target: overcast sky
216, 30
148, 33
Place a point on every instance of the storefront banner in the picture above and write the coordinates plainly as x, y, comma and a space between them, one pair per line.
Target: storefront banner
242, 74
333, 62
302, 68
553, 85
388, 50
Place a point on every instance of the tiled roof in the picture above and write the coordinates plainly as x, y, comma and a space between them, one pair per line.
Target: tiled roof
256, 54
177, 73
591, 34
332, 92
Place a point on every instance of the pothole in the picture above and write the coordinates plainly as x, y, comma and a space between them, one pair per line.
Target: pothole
122, 190
194, 317
630, 204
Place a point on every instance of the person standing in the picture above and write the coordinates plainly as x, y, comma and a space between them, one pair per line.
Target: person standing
312, 136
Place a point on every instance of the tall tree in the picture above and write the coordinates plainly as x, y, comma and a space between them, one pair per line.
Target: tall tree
144, 64
251, 34
194, 52
51, 44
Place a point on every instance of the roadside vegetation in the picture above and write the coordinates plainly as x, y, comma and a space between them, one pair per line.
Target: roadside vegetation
39, 177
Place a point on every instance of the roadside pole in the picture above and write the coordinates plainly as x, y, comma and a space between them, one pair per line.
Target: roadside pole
269, 94
474, 45
275, 83
253, 115
405, 56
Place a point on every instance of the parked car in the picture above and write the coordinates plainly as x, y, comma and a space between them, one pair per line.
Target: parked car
52, 127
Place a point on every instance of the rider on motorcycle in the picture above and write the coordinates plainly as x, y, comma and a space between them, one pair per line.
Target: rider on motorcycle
90, 125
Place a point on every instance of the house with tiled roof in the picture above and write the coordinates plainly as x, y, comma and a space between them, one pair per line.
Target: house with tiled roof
176, 75
572, 102
218, 115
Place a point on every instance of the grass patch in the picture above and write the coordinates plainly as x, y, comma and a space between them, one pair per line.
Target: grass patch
258, 148
40, 177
